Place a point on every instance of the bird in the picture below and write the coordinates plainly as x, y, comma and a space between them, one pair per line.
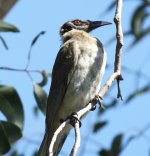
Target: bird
76, 75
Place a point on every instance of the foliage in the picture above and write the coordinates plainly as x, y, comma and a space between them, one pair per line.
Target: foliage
11, 105
99, 125
116, 147
138, 20
6, 27
41, 97
12, 108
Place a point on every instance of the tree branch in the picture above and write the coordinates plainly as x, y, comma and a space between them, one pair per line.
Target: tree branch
77, 139
27, 71
59, 129
119, 37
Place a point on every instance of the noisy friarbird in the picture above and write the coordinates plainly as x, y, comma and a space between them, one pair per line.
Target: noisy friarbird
77, 72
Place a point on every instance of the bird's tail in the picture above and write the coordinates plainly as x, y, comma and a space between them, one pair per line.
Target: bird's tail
44, 148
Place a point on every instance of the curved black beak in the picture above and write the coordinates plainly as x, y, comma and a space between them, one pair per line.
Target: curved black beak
95, 24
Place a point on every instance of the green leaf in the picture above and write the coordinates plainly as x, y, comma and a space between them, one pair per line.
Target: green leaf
12, 131
44, 79
99, 125
4, 43
7, 109
138, 18
4, 143
36, 110
113, 103
49, 74
41, 97
32, 43
37, 37
104, 152
135, 94
139, 37
11, 105
116, 146
7, 27
9, 134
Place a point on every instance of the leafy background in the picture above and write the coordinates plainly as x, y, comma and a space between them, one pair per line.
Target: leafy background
27, 57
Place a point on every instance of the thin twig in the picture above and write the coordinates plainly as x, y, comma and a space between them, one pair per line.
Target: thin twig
28, 58
20, 70
27, 71
134, 137
4, 43
77, 139
119, 37
60, 128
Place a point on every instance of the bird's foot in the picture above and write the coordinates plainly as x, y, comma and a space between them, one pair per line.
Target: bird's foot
74, 119
97, 99
93, 108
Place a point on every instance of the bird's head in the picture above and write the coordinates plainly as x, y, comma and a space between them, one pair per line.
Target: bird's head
78, 24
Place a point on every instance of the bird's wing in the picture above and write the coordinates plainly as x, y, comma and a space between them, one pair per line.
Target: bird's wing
62, 73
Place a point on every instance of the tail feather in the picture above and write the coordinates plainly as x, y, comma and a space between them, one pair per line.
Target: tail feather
43, 148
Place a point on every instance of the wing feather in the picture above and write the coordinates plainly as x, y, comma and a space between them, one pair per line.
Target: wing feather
62, 73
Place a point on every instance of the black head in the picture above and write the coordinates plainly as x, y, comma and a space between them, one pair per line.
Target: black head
78, 24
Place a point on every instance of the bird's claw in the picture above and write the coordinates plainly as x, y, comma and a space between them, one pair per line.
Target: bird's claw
74, 119
93, 108
97, 99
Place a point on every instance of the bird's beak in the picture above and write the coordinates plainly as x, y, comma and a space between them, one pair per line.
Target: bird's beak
95, 24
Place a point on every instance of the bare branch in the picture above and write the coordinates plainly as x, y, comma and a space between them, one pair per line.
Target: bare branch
108, 83
60, 128
20, 70
77, 139
119, 90
27, 71
119, 36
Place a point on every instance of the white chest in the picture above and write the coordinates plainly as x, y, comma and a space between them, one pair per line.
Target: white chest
87, 75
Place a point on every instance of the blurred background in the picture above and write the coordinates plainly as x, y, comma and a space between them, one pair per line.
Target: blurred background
29, 42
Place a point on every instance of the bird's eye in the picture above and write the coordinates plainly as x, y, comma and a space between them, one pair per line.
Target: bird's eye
77, 22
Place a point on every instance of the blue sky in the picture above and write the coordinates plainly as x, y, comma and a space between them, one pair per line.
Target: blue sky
33, 16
